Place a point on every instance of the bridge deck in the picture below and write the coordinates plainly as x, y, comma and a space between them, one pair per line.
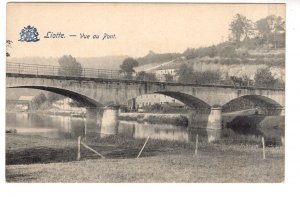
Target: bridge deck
99, 75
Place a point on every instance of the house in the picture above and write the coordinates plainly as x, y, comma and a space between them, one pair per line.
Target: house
151, 99
66, 104
161, 73
24, 102
160, 70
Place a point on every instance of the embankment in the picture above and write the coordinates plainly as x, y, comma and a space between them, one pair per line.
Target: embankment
176, 119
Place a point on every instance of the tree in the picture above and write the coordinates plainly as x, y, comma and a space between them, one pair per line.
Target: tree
8, 45
38, 100
227, 50
186, 74
241, 27
190, 53
127, 67
52, 97
241, 81
212, 51
76, 104
279, 32
143, 76
208, 77
271, 29
169, 77
279, 25
264, 78
69, 66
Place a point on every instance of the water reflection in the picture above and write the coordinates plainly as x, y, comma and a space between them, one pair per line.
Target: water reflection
155, 131
66, 127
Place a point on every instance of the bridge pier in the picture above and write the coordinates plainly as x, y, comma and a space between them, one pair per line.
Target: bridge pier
92, 120
110, 121
198, 118
209, 119
215, 118
214, 124
282, 113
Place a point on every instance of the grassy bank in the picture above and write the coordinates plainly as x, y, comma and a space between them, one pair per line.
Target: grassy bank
23, 149
167, 168
162, 161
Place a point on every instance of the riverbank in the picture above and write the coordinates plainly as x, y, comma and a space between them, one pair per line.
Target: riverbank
161, 161
52, 113
156, 118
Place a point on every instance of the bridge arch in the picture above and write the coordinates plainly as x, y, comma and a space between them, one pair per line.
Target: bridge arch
86, 101
262, 104
189, 100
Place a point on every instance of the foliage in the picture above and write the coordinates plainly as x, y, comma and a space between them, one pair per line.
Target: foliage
76, 104
69, 66
127, 67
152, 57
241, 81
241, 28
52, 97
208, 77
200, 52
268, 31
169, 77
186, 74
271, 30
226, 49
38, 100
264, 78
8, 45
143, 76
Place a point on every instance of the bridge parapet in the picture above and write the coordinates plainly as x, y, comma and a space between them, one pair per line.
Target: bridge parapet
50, 70
92, 73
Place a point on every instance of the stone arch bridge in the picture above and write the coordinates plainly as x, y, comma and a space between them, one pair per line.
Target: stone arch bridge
96, 89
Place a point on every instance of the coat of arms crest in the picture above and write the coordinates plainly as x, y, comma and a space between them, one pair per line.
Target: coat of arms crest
29, 34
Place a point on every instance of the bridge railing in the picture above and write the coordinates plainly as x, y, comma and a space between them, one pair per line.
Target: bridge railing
40, 70
36, 69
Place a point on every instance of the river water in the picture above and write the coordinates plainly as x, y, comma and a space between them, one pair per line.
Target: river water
66, 127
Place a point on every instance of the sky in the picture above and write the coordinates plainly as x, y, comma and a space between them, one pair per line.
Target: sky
138, 28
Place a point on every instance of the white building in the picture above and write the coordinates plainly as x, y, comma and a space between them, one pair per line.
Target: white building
65, 105
25, 99
160, 73
151, 99
160, 70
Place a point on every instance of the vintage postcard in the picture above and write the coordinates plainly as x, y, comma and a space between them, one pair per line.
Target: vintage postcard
145, 92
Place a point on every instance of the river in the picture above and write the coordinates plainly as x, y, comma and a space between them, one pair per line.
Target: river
67, 127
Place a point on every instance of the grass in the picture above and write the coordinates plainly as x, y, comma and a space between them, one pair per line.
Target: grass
162, 161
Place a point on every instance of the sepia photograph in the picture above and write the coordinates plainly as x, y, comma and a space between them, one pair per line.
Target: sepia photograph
145, 93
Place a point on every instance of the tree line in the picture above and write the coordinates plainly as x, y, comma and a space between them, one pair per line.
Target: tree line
268, 32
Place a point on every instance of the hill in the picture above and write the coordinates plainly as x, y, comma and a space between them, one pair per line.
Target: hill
106, 62
156, 58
